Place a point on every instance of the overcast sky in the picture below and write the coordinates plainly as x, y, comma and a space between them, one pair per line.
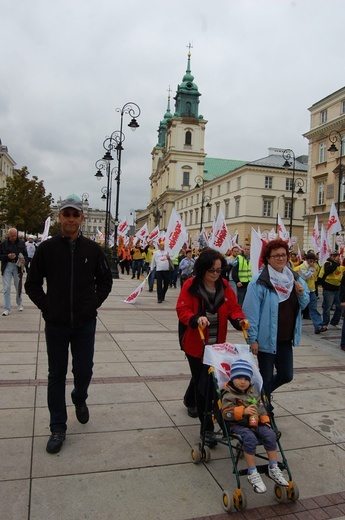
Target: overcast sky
67, 65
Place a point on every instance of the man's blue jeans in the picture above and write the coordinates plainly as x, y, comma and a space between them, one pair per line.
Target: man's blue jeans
282, 362
313, 312
330, 298
11, 270
82, 341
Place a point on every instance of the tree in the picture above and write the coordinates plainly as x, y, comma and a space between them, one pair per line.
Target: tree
24, 203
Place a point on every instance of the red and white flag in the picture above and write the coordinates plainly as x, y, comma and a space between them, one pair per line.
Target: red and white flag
123, 227
325, 248
282, 232
220, 239
333, 225
153, 235
45, 233
176, 234
142, 233
315, 237
256, 245
132, 298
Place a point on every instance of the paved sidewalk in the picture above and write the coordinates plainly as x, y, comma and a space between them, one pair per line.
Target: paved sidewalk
132, 460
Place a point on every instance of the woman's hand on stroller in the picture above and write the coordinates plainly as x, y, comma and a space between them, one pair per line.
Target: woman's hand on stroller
254, 347
203, 322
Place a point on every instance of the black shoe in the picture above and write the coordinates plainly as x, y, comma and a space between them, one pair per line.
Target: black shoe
159, 301
192, 411
150, 290
82, 413
132, 277
55, 442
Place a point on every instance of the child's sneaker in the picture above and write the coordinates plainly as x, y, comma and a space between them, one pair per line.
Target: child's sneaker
276, 475
256, 481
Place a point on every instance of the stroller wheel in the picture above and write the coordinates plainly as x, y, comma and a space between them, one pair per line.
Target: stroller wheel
206, 454
293, 492
228, 501
281, 494
196, 455
240, 500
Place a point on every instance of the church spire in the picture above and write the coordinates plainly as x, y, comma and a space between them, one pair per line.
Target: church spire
163, 125
187, 94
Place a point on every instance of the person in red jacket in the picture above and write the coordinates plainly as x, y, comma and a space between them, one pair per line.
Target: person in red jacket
206, 301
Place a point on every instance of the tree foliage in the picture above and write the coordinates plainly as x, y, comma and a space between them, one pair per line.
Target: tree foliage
24, 203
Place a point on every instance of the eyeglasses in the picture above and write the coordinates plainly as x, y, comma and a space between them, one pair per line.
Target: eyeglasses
277, 257
67, 214
219, 270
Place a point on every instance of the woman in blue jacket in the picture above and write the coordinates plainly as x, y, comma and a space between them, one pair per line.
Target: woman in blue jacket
273, 305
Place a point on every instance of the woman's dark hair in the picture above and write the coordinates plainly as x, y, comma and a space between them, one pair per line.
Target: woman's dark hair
206, 260
270, 246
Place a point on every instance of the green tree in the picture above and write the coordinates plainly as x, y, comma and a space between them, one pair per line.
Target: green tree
24, 203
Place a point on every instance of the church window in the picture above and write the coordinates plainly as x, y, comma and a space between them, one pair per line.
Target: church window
188, 138
185, 179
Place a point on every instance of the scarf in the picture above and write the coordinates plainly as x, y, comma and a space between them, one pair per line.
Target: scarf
282, 282
212, 306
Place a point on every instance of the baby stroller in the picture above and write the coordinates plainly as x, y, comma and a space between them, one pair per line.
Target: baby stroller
219, 359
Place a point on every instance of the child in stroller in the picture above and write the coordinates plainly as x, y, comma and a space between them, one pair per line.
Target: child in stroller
245, 415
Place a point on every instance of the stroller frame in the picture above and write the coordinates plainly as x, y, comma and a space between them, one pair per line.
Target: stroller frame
202, 452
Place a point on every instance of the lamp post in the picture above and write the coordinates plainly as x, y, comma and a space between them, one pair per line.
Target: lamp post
132, 213
298, 183
205, 200
85, 202
335, 137
157, 214
280, 197
104, 164
133, 110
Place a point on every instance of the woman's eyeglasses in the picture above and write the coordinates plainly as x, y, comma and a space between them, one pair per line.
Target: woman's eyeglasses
277, 257
212, 270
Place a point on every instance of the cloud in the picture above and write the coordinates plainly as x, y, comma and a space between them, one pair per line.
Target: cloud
66, 67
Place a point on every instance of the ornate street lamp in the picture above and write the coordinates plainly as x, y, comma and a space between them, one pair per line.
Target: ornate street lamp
336, 137
298, 183
205, 199
133, 110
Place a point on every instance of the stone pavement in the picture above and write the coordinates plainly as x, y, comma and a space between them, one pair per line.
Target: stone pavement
132, 460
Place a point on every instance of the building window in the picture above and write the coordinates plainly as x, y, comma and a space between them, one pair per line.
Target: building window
288, 184
321, 192
218, 189
287, 209
343, 106
185, 178
323, 117
267, 210
190, 217
209, 211
322, 152
188, 138
228, 187
268, 183
237, 207
226, 215
196, 216
210, 193
238, 183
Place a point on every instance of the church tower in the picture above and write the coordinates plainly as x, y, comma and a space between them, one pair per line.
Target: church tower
179, 155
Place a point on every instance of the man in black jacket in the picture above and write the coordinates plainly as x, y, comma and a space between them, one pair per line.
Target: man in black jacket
78, 281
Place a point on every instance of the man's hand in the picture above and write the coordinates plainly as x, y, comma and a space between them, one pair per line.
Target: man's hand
254, 347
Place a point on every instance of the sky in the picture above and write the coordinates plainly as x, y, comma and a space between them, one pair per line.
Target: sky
67, 66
